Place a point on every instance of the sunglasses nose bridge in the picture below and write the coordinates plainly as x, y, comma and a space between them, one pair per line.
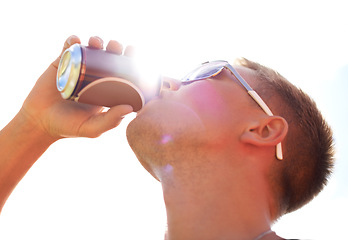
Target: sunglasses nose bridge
170, 84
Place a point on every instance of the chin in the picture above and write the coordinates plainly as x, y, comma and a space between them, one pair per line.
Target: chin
162, 130
143, 142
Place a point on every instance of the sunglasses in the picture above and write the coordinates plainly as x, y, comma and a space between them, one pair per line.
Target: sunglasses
211, 69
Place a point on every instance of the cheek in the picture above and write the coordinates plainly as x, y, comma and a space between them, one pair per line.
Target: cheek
207, 102
209, 110
219, 109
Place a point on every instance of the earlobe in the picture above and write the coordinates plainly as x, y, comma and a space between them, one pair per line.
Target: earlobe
266, 132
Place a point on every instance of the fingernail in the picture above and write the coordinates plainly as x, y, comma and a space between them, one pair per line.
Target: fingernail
100, 40
70, 39
127, 109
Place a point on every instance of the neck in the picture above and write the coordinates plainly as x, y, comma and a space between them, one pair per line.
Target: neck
214, 204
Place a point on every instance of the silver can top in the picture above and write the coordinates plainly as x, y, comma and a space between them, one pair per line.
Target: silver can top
69, 70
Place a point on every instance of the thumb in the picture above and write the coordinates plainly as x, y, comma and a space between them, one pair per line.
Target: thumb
104, 121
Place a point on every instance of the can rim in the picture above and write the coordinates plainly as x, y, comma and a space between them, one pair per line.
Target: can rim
68, 77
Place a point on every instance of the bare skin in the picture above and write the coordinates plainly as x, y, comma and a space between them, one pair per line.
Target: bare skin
213, 170
207, 143
45, 118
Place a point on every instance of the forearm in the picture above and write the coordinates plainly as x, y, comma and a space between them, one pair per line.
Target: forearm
21, 144
46, 117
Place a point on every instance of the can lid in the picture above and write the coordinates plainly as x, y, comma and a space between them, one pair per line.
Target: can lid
69, 70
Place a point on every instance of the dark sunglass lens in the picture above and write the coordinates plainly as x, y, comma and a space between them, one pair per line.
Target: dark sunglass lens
205, 71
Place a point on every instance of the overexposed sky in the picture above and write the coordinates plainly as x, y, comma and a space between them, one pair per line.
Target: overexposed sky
95, 188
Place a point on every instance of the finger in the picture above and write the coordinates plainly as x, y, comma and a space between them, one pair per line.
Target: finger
69, 42
96, 42
114, 47
130, 51
104, 121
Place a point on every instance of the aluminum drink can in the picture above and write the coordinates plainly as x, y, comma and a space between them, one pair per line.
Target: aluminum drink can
97, 77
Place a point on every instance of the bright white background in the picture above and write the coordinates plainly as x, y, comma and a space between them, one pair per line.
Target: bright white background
95, 188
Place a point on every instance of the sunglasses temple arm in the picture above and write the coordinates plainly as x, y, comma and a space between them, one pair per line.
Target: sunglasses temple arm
279, 151
263, 105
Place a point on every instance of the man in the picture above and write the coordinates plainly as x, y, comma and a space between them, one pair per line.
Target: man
231, 160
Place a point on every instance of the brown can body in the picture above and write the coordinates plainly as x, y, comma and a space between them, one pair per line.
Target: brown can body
97, 77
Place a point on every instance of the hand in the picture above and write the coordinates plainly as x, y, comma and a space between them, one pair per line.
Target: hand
44, 107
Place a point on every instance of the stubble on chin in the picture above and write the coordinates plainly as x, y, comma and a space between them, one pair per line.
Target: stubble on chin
165, 131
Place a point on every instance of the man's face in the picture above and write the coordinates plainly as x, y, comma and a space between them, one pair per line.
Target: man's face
187, 122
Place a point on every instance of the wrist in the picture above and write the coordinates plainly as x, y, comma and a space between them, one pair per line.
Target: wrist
29, 124
21, 143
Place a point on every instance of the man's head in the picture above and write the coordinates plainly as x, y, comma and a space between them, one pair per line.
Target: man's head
308, 146
215, 126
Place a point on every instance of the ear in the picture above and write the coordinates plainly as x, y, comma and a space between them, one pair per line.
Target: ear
268, 131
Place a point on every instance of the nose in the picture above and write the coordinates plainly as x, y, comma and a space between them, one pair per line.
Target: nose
170, 84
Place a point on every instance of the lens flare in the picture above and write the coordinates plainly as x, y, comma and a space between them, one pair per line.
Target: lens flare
150, 78
168, 169
166, 139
